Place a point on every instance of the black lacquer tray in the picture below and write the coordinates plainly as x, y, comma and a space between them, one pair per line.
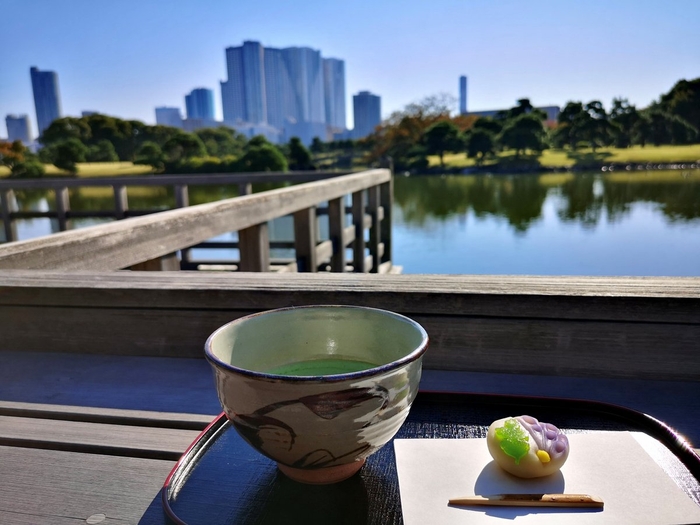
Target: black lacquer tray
222, 480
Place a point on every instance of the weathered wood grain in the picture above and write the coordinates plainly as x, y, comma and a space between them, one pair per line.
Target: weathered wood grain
7, 207
102, 438
113, 416
254, 243
48, 487
124, 243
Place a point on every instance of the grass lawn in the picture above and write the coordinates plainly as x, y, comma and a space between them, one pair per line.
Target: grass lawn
567, 158
94, 169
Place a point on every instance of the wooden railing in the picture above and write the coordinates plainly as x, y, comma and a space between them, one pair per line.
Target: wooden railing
151, 241
622, 327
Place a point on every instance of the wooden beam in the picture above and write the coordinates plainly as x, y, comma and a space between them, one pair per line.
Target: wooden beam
358, 220
305, 239
62, 208
254, 247
579, 326
336, 227
166, 263
122, 244
121, 201
386, 194
7, 206
375, 234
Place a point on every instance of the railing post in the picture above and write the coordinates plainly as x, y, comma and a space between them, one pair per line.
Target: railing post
386, 198
375, 233
121, 203
254, 247
358, 220
336, 227
245, 188
305, 239
62, 208
8, 204
182, 200
166, 263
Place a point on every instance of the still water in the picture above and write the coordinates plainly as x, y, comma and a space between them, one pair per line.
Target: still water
621, 223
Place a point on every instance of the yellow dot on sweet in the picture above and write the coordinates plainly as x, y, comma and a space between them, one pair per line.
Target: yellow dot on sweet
544, 457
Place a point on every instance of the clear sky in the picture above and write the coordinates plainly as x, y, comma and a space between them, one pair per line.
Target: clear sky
125, 57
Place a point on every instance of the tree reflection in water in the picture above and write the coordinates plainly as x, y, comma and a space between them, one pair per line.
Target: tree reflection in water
520, 198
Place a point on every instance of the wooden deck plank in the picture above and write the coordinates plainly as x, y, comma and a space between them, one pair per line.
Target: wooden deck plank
47, 487
143, 418
96, 438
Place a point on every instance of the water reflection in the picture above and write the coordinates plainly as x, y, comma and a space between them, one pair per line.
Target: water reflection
519, 199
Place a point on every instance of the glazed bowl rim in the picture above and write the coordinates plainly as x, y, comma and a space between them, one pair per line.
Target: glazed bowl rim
331, 378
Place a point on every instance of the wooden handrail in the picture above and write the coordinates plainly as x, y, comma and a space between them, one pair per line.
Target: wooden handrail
634, 327
170, 180
123, 244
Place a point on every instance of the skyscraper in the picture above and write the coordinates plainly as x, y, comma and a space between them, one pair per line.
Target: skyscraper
463, 95
166, 116
287, 89
200, 104
18, 128
334, 93
367, 112
243, 94
47, 99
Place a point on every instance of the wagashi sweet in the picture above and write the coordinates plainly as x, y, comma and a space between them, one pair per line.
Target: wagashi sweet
526, 447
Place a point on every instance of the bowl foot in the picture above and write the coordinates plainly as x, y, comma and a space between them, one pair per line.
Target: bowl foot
322, 476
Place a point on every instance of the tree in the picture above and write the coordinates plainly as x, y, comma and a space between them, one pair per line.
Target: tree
183, 146
68, 153
522, 133
262, 158
442, 137
12, 153
480, 143
66, 128
623, 117
103, 151
596, 129
222, 141
683, 101
317, 146
493, 126
299, 156
150, 154
571, 124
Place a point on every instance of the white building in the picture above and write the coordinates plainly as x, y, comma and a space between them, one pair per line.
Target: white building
166, 116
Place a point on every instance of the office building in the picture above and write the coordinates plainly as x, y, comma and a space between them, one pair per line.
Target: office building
18, 128
552, 112
243, 94
167, 116
334, 93
463, 95
293, 90
367, 113
200, 104
47, 99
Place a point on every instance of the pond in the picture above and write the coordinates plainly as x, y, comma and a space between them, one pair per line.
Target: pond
620, 223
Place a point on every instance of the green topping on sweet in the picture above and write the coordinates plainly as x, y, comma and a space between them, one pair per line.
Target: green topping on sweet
513, 439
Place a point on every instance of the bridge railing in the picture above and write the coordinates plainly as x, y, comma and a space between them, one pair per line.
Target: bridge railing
153, 241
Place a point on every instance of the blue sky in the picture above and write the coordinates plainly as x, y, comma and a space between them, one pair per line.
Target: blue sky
126, 57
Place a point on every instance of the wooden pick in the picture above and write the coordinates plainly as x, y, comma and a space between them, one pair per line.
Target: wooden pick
531, 500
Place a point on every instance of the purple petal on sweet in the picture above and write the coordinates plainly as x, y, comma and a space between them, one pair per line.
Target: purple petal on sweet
537, 428
529, 420
550, 434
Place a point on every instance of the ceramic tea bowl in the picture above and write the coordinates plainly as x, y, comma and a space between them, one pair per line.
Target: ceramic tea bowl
318, 388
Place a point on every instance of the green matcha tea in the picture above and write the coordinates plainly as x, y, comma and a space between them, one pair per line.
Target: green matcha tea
321, 367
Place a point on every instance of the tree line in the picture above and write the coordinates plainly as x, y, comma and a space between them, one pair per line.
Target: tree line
101, 138
428, 128
408, 136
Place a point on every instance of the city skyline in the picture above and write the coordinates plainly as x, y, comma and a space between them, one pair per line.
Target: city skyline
47, 97
548, 53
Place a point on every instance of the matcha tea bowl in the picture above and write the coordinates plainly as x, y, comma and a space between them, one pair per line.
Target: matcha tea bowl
318, 388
